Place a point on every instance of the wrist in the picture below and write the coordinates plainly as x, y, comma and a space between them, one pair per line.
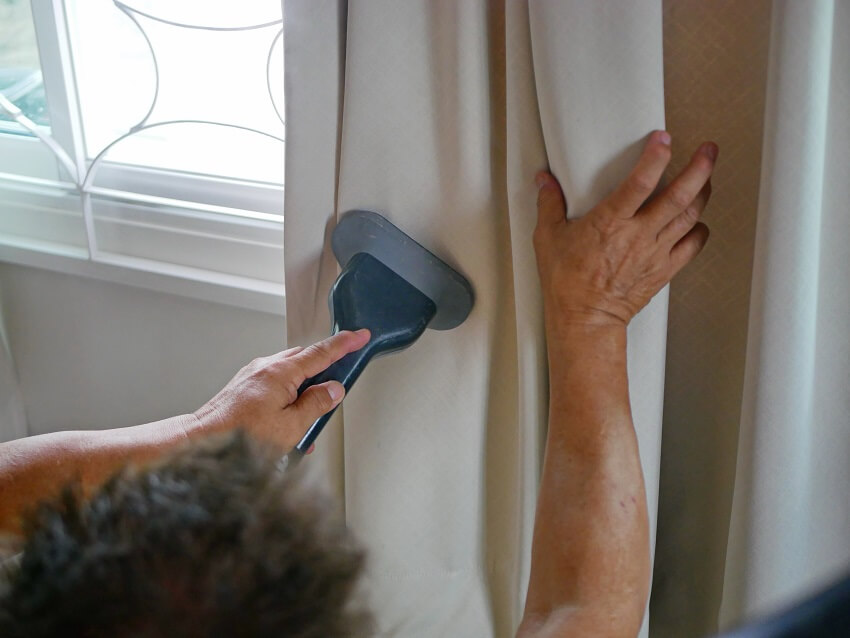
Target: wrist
203, 422
185, 427
560, 311
574, 333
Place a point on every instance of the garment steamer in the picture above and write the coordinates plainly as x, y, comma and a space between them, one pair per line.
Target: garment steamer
391, 285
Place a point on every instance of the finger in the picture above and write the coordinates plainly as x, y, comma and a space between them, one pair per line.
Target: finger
688, 247
314, 359
283, 354
311, 449
685, 221
679, 194
316, 401
551, 206
641, 182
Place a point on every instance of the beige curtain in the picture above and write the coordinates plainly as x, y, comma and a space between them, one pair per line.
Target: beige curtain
790, 528
438, 115
13, 422
755, 471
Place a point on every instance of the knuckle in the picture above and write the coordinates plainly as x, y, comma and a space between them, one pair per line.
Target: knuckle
539, 236
641, 183
544, 199
266, 369
604, 225
289, 372
661, 152
703, 164
678, 198
290, 390
258, 367
319, 350
321, 400
690, 216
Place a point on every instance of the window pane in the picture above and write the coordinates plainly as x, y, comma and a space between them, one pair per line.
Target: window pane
20, 72
139, 67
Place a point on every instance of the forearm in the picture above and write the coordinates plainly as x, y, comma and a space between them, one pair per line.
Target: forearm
590, 555
37, 468
590, 559
261, 397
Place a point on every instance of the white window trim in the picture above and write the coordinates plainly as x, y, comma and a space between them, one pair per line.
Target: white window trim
225, 237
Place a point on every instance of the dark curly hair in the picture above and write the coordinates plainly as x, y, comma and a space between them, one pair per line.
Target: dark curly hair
215, 541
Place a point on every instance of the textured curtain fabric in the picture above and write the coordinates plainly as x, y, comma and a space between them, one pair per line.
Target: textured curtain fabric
790, 529
438, 115
758, 366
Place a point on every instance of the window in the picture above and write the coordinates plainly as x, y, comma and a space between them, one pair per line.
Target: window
142, 141
20, 71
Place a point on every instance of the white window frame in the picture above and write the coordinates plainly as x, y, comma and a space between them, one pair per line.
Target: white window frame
199, 236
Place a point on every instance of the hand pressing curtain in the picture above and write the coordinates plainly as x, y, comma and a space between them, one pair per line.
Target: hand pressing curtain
438, 115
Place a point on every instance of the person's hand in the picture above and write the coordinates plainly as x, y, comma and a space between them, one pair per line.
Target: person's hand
603, 268
263, 396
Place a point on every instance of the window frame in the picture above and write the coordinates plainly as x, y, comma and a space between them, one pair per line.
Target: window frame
199, 236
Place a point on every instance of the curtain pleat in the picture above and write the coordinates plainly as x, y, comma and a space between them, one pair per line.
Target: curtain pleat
710, 94
790, 530
441, 132
755, 472
13, 422
314, 54
13, 418
599, 77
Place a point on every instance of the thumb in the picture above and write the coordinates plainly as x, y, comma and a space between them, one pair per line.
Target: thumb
318, 400
551, 206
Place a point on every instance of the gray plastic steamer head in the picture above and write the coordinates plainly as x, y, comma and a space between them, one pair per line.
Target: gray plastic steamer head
391, 285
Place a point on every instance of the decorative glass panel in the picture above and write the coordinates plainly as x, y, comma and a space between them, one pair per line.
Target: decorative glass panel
194, 86
20, 71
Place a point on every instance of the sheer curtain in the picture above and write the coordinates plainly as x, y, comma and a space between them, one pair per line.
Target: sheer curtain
438, 115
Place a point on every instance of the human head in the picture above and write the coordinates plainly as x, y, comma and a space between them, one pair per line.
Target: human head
214, 541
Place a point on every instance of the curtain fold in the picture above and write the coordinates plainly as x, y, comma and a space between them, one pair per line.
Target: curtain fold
13, 420
755, 469
709, 94
314, 54
13, 423
448, 110
599, 74
790, 530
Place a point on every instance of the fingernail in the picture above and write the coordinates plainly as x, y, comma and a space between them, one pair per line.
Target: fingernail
711, 150
540, 179
362, 332
664, 138
336, 391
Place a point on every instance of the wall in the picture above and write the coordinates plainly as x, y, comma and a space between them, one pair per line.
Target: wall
92, 354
